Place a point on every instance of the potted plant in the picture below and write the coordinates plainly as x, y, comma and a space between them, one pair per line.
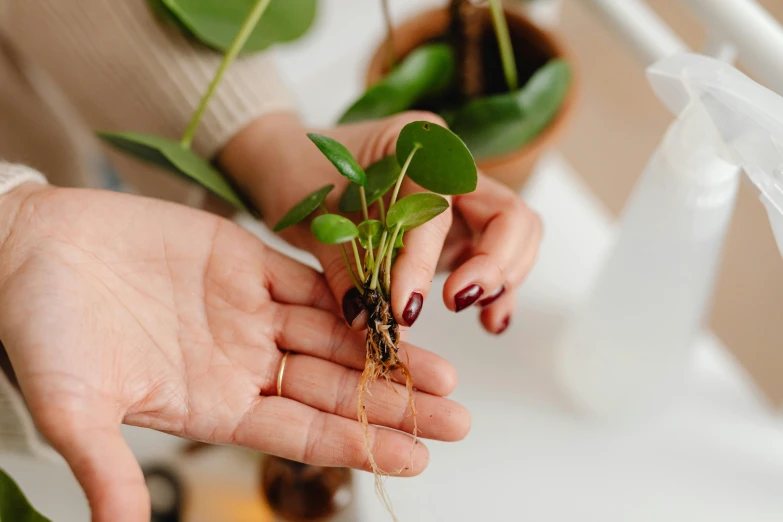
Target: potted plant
504, 85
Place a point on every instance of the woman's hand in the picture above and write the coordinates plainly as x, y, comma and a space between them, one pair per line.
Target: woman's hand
489, 238
118, 309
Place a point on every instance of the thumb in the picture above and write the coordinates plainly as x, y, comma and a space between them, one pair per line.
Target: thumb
102, 462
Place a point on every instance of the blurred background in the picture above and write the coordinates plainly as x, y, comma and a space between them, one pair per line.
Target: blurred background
618, 103
710, 448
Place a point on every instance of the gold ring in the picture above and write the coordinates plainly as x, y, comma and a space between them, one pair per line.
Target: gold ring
280, 375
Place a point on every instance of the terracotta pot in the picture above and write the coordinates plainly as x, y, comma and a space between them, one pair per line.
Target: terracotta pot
530, 43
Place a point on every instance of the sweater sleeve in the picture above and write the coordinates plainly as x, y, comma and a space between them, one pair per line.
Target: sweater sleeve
124, 69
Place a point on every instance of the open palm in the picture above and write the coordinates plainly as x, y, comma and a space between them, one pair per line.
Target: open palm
121, 309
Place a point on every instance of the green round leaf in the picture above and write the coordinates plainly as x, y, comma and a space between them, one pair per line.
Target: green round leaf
381, 177
216, 23
340, 157
332, 229
304, 208
425, 72
175, 158
442, 163
370, 229
497, 125
14, 506
415, 210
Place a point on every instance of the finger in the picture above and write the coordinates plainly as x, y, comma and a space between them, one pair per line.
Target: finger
497, 317
459, 245
295, 431
526, 257
332, 388
503, 222
92, 444
415, 266
320, 334
338, 276
294, 283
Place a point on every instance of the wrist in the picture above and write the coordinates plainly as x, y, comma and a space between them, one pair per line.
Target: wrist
261, 155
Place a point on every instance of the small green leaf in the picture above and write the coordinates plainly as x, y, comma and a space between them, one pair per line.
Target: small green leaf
216, 23
398, 240
370, 229
333, 229
304, 208
174, 158
442, 164
425, 72
14, 506
497, 125
340, 157
415, 210
381, 176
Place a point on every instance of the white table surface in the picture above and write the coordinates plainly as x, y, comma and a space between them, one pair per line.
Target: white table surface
714, 455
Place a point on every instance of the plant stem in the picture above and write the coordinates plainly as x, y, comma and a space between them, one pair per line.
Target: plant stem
504, 43
350, 269
389, 34
402, 174
387, 272
382, 248
357, 259
239, 42
371, 253
363, 196
379, 257
382, 210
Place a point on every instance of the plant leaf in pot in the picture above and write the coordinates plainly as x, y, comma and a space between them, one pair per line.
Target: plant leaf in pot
426, 72
499, 124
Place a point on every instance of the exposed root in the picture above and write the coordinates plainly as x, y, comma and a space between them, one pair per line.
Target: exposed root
382, 358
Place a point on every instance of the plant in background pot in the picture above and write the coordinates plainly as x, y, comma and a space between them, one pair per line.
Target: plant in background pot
502, 84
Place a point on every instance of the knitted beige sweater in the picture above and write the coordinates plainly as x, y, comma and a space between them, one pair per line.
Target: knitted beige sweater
68, 67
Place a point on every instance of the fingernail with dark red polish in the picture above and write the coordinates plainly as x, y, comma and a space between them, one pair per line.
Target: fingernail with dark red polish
353, 305
467, 296
503, 325
491, 299
413, 308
